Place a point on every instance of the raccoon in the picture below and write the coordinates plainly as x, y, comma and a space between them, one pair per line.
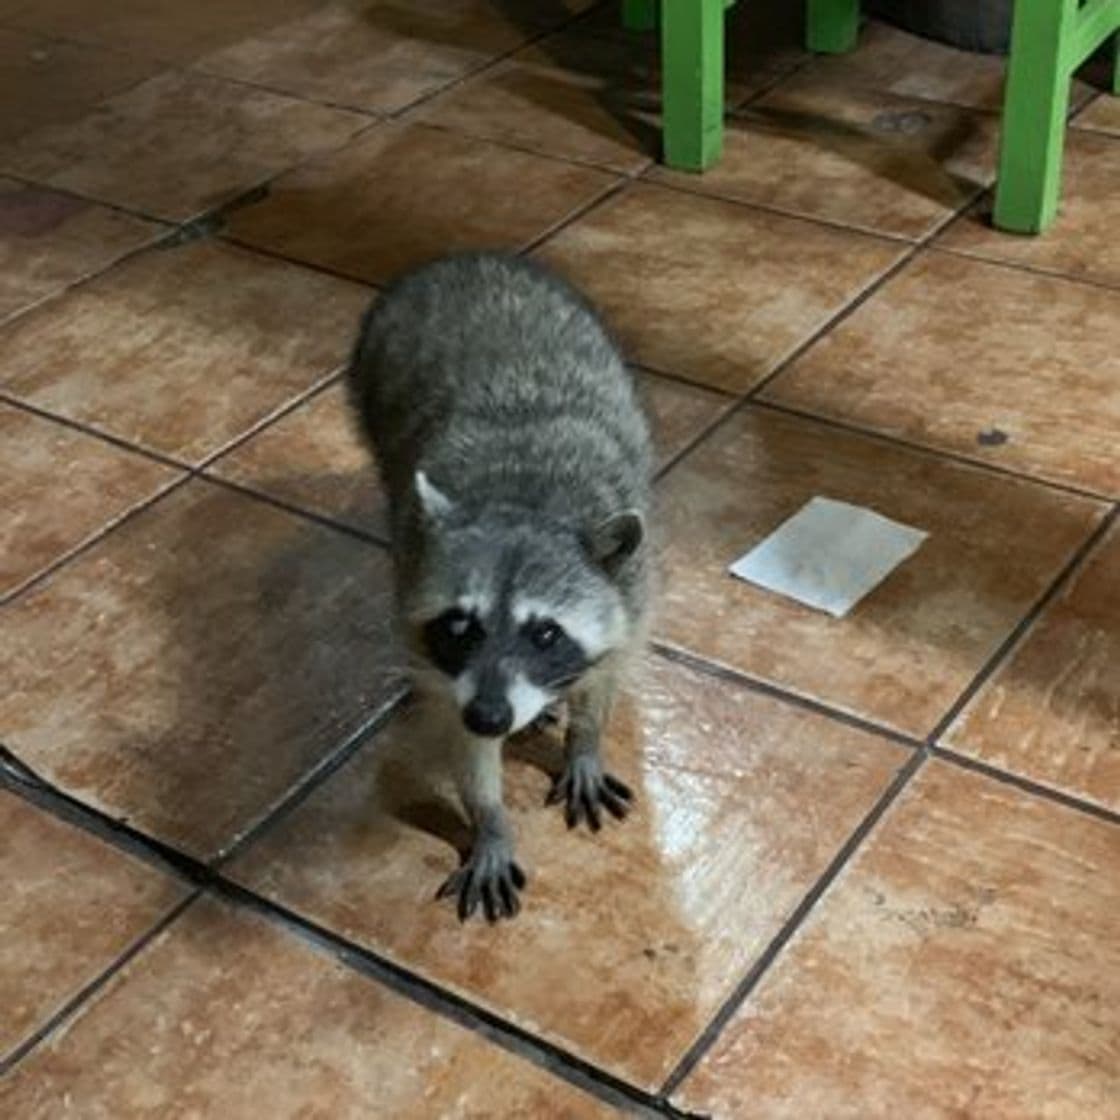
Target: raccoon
517, 460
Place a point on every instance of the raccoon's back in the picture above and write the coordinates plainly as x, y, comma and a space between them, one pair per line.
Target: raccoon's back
499, 379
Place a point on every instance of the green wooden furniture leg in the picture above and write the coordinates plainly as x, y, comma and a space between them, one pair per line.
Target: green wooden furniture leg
1116, 65
639, 15
1050, 39
832, 26
692, 82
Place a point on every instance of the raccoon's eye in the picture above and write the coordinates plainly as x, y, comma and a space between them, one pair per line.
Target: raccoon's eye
457, 623
544, 634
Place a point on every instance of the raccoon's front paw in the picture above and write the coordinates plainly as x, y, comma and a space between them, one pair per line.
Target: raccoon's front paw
548, 719
490, 878
584, 788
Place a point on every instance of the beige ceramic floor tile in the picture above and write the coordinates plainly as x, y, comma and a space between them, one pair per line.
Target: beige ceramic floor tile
59, 487
226, 1015
44, 82
594, 93
968, 964
635, 934
179, 144
1082, 243
573, 96
72, 905
181, 350
1005, 367
382, 55
402, 195
155, 28
1053, 711
49, 241
710, 290
896, 62
191, 667
908, 650
854, 156
315, 459
678, 413
1102, 116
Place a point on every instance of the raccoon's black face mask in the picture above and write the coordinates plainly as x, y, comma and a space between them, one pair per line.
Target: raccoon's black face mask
504, 673
517, 608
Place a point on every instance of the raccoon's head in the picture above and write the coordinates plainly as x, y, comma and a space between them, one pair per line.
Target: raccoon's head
507, 610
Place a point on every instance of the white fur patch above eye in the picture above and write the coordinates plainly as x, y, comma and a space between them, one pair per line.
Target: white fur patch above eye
527, 701
595, 628
477, 603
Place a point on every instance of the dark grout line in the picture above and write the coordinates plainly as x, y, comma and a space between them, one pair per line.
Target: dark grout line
95, 538
465, 132
301, 512
417, 988
750, 395
44, 185
303, 397
71, 1007
222, 234
1022, 266
206, 878
158, 236
783, 212
775, 82
927, 451
872, 288
686, 381
714, 669
195, 69
1076, 110
97, 433
533, 36
187, 473
581, 211
316, 777
171, 224
1026, 785
792, 924
20, 779
1000, 655
42, 574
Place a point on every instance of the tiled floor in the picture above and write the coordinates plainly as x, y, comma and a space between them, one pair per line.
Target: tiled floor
874, 869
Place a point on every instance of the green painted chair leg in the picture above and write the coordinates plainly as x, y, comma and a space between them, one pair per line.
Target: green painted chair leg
832, 26
1035, 105
692, 82
639, 15
1116, 65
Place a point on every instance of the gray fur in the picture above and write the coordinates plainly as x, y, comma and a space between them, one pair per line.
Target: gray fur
518, 464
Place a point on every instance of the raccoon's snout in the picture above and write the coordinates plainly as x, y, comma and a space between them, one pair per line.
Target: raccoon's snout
488, 716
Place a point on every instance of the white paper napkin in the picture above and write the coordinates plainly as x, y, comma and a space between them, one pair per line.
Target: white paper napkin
829, 555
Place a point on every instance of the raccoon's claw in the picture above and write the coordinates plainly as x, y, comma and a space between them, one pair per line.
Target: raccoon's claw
585, 788
490, 879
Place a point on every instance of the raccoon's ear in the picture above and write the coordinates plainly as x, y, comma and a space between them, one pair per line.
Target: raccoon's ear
615, 540
434, 502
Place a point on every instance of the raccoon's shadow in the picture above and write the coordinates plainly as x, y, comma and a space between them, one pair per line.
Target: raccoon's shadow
892, 147
411, 776
260, 643
620, 81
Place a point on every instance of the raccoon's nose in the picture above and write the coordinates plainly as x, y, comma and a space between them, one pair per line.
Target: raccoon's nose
488, 716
